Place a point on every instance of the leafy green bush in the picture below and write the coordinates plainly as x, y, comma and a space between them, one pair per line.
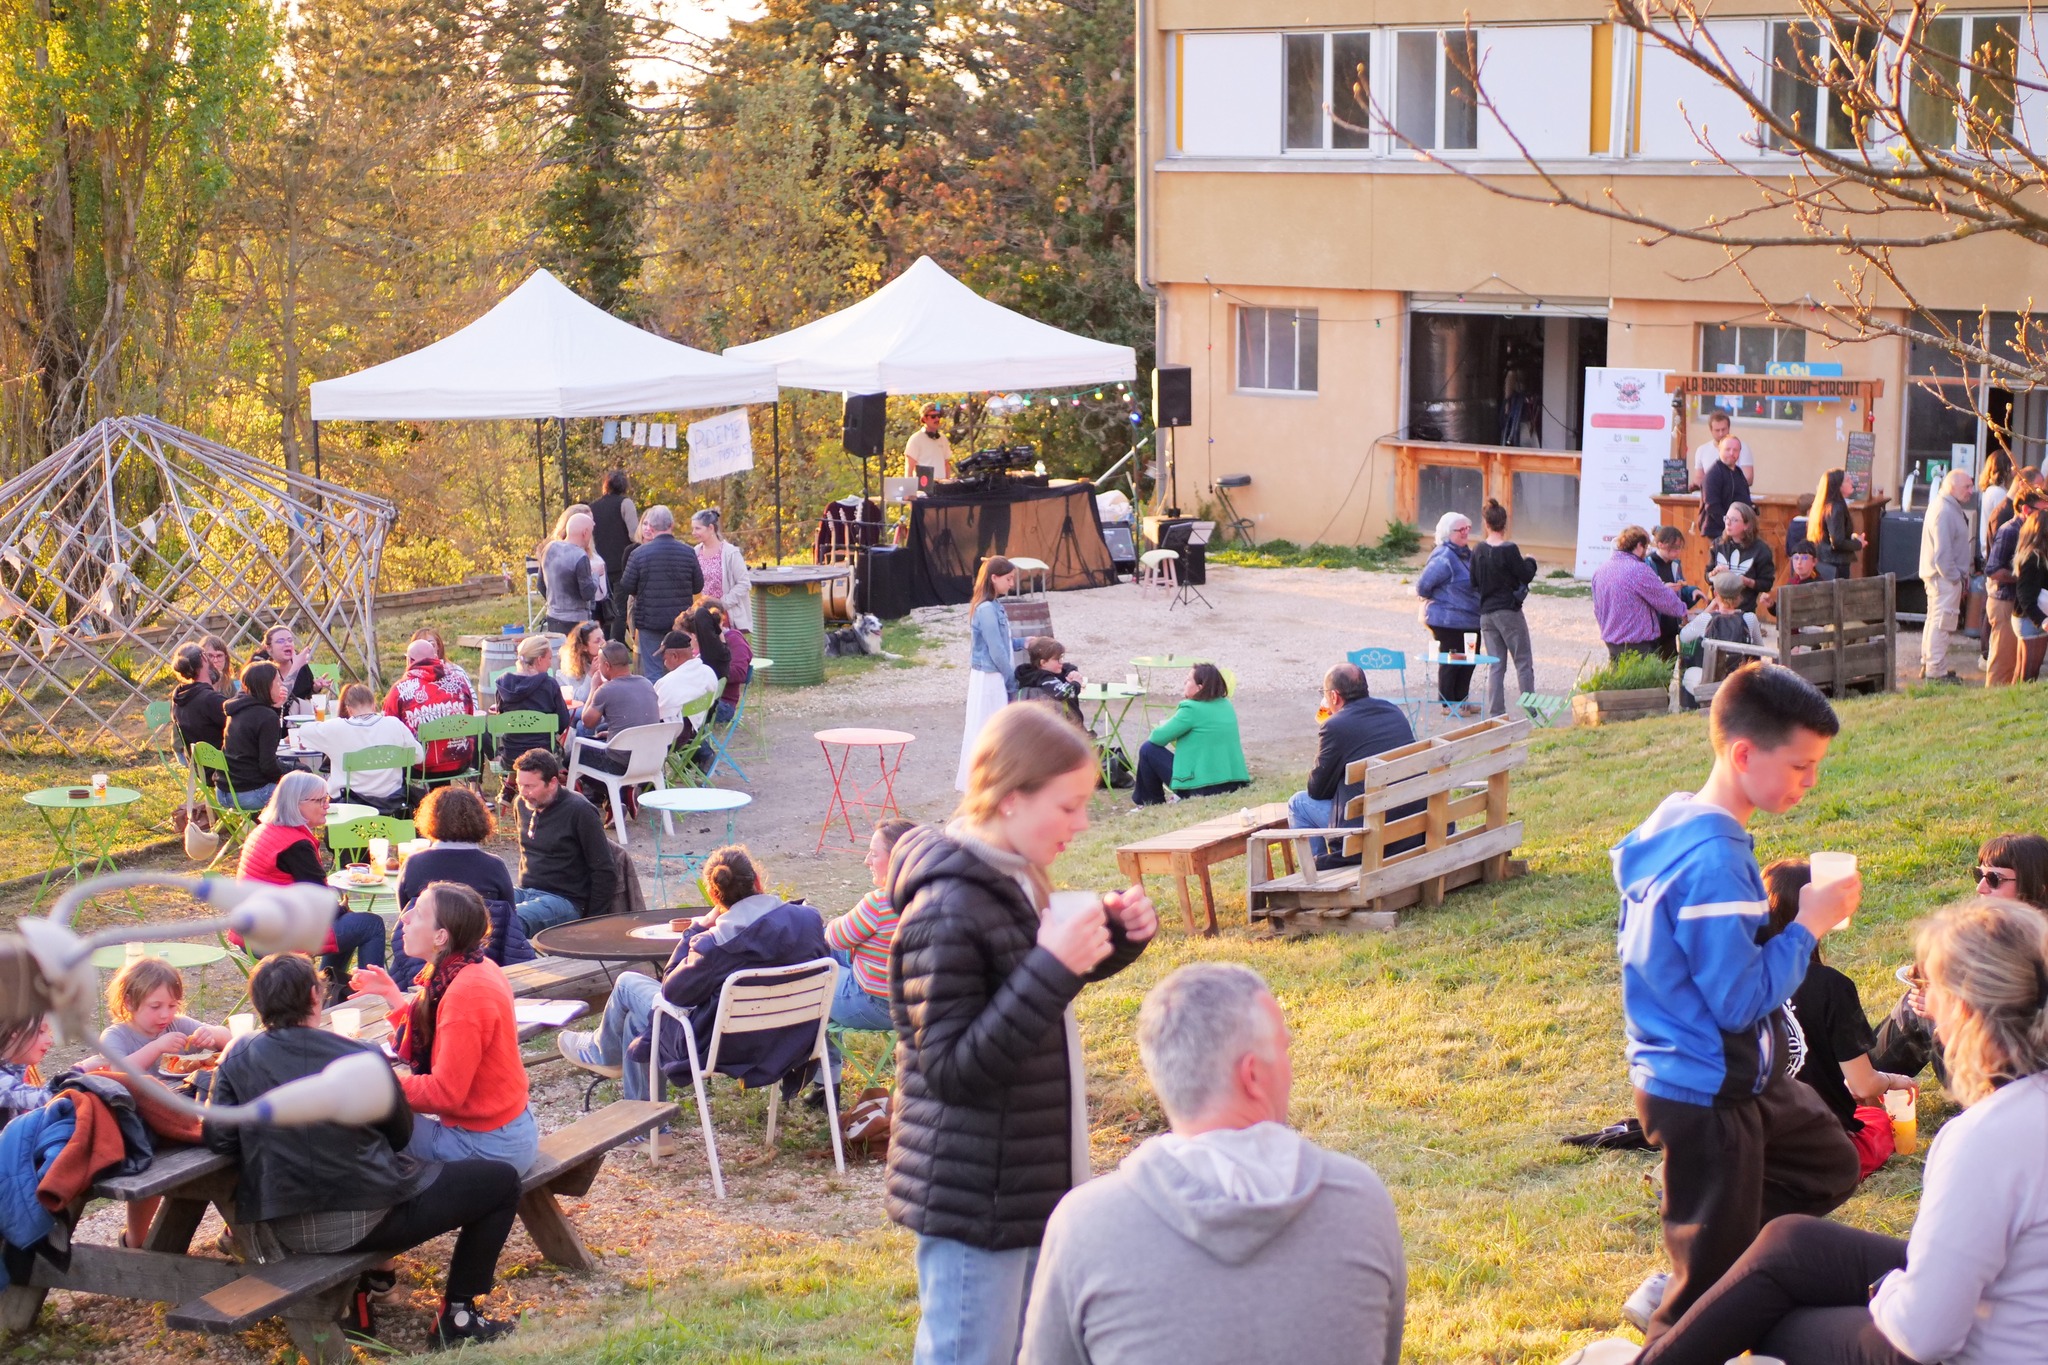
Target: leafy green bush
1285, 554
1399, 540
1628, 672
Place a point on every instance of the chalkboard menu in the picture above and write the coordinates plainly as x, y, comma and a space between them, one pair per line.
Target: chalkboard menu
1677, 476
1856, 479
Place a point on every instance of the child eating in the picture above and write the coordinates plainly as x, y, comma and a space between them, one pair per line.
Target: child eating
144, 1002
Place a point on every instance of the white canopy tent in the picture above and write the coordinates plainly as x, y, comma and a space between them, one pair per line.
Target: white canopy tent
925, 332
542, 352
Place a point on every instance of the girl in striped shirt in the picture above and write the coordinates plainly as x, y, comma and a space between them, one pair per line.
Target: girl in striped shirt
860, 940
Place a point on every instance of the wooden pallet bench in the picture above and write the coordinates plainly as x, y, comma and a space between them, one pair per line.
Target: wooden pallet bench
1459, 777
215, 1296
1841, 635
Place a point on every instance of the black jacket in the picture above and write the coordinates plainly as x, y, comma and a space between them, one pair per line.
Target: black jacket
319, 1167
662, 576
608, 535
1725, 486
1501, 575
562, 849
530, 692
1753, 562
2031, 578
980, 1146
200, 713
1363, 728
254, 731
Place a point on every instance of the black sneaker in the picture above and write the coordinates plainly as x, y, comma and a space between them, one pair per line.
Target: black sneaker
460, 1324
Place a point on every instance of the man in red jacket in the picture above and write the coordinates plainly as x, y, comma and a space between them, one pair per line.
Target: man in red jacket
430, 691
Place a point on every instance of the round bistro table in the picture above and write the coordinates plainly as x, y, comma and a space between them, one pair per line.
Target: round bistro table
1112, 704
688, 801
82, 830
876, 799
612, 938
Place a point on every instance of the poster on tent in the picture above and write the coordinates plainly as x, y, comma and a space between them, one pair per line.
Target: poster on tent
720, 446
1621, 458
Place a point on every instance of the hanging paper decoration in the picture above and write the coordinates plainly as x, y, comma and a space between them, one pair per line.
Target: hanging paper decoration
611, 432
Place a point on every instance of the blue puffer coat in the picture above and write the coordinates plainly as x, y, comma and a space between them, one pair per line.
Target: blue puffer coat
27, 1147
1446, 583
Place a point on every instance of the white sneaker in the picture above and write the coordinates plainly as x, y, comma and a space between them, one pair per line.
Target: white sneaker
1612, 1351
582, 1050
1641, 1304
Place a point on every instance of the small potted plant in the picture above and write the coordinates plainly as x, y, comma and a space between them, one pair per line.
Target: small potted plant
1629, 688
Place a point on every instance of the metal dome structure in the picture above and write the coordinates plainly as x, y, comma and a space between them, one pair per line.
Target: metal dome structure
138, 536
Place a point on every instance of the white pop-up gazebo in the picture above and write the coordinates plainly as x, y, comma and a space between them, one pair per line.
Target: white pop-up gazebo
543, 352
925, 332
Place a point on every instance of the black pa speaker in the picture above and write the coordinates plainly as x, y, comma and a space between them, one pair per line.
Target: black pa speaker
864, 417
1173, 396
883, 584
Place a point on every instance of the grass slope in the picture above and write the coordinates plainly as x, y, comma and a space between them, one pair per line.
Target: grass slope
1452, 1053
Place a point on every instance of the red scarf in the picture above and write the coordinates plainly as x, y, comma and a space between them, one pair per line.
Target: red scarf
419, 1031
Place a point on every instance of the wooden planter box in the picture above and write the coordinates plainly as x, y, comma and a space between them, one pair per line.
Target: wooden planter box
1613, 707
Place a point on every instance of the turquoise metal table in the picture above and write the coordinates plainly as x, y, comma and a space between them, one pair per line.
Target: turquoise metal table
84, 836
687, 801
1112, 704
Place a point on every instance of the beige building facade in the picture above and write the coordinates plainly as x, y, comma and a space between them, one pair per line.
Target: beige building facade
1366, 330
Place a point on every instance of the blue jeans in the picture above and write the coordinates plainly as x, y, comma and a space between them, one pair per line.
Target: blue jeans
627, 1017
723, 711
1305, 812
650, 655
517, 1144
358, 935
970, 1302
256, 798
853, 1007
537, 910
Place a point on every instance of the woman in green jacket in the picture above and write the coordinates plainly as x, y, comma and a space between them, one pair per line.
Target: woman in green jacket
1195, 751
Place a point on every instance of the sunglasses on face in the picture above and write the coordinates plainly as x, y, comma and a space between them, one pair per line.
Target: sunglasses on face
1993, 877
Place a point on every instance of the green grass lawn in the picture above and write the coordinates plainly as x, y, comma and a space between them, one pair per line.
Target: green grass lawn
1455, 1051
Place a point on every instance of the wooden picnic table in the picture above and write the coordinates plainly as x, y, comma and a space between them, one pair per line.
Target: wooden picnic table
208, 1294
1191, 852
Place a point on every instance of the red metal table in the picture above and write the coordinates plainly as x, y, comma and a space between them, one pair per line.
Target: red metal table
847, 792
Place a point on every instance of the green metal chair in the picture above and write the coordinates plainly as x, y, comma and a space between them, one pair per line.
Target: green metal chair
230, 821
381, 758
517, 723
167, 744
452, 727
865, 1074
349, 836
682, 760
328, 675
1542, 707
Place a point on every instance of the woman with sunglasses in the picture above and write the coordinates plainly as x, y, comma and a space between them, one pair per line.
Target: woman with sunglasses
1970, 1287
2011, 867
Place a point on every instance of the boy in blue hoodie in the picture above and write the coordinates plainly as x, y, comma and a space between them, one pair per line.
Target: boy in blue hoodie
1712, 1052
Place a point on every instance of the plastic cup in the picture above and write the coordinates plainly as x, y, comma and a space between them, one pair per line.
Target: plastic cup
380, 853
1832, 867
345, 1021
99, 786
319, 706
241, 1026
1073, 905
1130, 680
1903, 1107
132, 953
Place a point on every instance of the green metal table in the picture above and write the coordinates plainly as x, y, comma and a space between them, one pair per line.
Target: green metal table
1112, 704
688, 801
380, 898
81, 840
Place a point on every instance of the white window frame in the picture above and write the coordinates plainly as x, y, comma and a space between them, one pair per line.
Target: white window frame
1977, 29
1327, 99
1294, 315
1710, 404
1445, 72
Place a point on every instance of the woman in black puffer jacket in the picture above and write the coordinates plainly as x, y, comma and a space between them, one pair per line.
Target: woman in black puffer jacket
990, 1127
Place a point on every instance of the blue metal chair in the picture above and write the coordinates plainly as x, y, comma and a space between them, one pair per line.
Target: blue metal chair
1394, 661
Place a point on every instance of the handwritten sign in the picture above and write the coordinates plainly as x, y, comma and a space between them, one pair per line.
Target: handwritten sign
720, 446
1856, 465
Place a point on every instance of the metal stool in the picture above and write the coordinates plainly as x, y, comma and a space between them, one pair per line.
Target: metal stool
1036, 572
1236, 521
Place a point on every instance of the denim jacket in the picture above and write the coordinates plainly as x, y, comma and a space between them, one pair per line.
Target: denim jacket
992, 644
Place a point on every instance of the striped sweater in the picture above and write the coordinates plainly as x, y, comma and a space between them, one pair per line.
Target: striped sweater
866, 931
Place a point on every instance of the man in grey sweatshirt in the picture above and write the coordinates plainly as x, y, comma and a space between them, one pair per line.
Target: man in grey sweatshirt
1231, 1238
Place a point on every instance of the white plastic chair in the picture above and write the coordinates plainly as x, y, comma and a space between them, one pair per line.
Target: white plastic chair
646, 752
754, 1001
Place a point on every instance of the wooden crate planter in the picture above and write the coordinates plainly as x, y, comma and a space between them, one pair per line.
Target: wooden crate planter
1461, 780
1612, 706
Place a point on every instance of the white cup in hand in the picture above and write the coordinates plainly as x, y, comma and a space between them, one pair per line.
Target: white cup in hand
1075, 930
1828, 868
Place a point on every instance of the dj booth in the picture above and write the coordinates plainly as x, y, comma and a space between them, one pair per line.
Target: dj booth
953, 528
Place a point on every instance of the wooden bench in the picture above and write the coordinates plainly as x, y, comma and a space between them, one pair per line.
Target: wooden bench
1191, 852
564, 978
1841, 635
307, 1292
1460, 776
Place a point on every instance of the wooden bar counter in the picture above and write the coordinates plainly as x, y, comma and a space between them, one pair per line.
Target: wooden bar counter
1775, 512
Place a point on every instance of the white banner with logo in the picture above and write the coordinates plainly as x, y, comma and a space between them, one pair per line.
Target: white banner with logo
720, 446
1621, 458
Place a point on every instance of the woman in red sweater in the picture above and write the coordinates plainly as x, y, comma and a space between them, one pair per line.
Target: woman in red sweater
457, 1033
